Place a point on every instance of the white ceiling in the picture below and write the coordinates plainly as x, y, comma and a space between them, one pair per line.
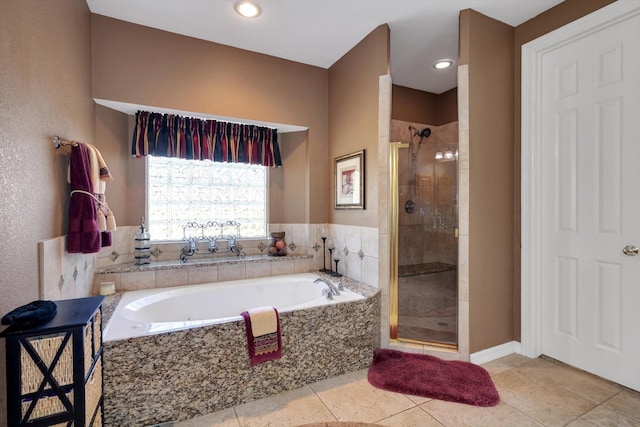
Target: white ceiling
319, 32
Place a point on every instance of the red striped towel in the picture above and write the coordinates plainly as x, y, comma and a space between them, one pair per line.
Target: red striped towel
268, 345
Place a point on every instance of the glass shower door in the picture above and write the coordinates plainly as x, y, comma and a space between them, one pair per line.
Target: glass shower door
424, 282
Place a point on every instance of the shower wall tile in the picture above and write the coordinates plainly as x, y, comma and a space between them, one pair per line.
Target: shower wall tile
384, 321
384, 259
448, 133
463, 150
463, 330
463, 205
463, 267
385, 89
463, 97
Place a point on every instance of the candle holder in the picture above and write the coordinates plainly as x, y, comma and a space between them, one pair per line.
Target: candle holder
324, 252
336, 258
331, 248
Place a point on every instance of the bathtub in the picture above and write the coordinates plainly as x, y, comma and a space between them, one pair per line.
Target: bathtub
153, 311
172, 354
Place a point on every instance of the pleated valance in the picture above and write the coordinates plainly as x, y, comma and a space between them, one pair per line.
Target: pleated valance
169, 135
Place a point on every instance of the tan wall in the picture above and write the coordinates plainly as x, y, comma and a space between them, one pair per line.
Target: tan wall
554, 18
353, 118
489, 53
447, 107
140, 65
412, 105
112, 139
45, 82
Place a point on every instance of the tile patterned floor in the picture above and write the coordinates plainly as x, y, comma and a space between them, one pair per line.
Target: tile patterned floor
534, 392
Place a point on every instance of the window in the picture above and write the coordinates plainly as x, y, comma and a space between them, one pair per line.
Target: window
180, 191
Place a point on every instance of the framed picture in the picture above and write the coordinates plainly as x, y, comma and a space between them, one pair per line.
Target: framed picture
349, 181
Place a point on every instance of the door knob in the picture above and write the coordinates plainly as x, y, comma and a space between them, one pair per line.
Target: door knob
630, 250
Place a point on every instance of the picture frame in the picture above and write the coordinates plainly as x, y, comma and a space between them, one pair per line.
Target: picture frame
349, 181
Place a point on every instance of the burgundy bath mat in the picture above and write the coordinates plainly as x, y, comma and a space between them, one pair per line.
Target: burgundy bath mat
428, 376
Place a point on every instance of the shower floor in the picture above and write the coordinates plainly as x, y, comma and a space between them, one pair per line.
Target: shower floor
427, 306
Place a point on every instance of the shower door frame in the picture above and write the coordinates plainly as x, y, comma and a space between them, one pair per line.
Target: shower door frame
394, 208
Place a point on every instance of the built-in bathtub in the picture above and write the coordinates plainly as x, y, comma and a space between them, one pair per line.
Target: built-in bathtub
174, 353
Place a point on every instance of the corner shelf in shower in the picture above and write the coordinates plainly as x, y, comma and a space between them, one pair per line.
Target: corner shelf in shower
424, 268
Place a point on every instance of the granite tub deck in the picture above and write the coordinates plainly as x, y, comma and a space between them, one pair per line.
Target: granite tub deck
180, 375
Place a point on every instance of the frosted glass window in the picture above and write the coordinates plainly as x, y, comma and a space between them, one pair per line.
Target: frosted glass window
181, 191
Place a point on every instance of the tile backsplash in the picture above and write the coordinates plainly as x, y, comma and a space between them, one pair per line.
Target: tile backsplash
64, 275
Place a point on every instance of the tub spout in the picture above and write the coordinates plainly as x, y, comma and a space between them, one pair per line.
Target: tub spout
333, 290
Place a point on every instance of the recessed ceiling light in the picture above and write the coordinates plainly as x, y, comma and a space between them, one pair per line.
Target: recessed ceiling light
443, 63
248, 9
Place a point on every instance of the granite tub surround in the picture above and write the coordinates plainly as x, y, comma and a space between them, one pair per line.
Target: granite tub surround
179, 375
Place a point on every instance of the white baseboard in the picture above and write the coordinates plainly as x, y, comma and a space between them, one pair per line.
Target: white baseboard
493, 353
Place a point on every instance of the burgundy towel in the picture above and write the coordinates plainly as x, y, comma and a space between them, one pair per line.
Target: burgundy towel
83, 235
264, 347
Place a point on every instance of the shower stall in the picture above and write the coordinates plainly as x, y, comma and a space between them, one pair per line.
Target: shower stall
424, 232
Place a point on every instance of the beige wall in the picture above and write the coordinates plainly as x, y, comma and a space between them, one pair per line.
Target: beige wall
412, 105
112, 137
448, 107
45, 82
482, 38
554, 18
353, 118
488, 50
140, 65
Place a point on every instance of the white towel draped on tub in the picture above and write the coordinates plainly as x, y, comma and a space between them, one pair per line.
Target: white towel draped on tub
264, 340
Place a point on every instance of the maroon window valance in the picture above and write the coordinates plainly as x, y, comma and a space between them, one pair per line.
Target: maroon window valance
169, 135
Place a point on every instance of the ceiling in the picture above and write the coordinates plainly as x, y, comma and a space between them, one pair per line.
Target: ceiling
319, 32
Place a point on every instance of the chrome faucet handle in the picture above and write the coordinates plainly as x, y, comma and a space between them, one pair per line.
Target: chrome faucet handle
339, 285
327, 293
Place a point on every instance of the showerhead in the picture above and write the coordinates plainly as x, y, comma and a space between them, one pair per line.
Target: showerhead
424, 133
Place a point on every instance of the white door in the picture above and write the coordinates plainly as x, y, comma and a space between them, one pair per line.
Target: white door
590, 201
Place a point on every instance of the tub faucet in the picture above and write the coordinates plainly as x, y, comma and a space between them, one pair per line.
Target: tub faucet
333, 290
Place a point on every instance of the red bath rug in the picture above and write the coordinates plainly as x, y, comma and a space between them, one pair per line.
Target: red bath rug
428, 376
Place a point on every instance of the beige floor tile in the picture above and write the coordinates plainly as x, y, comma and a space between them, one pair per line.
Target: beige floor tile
458, 415
414, 417
224, 418
546, 402
577, 381
626, 402
350, 397
418, 400
290, 408
505, 363
602, 416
